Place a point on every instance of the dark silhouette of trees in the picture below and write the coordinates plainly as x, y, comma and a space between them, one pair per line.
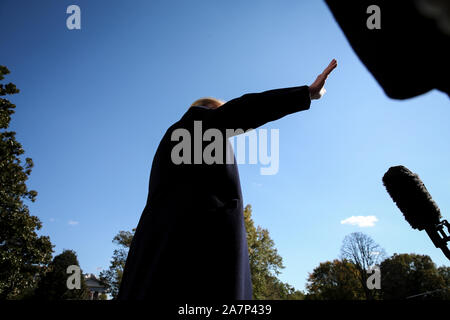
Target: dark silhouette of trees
414, 276
335, 280
403, 276
53, 285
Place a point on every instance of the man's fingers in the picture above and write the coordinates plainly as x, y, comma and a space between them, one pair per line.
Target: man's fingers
333, 63
317, 87
331, 67
321, 78
324, 75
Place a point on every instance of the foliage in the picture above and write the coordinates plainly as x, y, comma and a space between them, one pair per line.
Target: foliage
335, 280
111, 278
265, 263
444, 272
53, 285
402, 275
23, 254
408, 275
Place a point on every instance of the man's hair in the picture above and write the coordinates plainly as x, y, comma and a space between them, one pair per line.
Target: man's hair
209, 102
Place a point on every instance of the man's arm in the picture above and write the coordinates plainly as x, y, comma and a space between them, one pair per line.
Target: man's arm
252, 110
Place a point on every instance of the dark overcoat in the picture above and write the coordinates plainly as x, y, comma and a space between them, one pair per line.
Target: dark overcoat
190, 243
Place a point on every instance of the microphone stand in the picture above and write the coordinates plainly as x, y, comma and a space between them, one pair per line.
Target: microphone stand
439, 237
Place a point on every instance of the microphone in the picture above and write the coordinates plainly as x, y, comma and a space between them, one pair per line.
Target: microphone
415, 202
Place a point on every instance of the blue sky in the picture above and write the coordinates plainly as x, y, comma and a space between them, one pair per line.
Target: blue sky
95, 102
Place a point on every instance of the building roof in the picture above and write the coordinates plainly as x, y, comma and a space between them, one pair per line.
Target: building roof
93, 283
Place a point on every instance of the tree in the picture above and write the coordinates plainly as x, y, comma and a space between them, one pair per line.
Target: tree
112, 277
23, 254
275, 289
445, 274
265, 263
361, 250
53, 285
334, 280
412, 275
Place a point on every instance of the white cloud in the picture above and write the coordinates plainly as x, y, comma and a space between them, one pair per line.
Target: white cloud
73, 223
360, 221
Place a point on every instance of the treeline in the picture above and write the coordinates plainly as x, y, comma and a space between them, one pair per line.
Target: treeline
401, 276
27, 270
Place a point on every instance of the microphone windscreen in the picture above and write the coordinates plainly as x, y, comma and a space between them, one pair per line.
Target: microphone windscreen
411, 197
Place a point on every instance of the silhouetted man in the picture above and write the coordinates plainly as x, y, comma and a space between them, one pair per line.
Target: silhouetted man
190, 243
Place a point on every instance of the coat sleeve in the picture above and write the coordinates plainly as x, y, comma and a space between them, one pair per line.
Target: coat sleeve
253, 110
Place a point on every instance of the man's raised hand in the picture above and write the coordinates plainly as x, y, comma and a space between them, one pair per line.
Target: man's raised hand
316, 89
